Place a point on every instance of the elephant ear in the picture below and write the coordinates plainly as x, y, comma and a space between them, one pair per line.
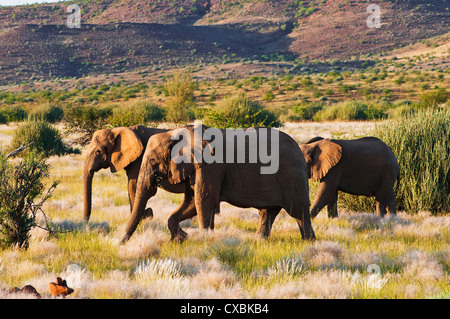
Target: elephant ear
127, 148
314, 139
179, 172
179, 158
325, 155
182, 165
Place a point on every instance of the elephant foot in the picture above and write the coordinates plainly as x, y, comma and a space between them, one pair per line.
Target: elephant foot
180, 236
314, 213
148, 213
125, 238
309, 235
263, 234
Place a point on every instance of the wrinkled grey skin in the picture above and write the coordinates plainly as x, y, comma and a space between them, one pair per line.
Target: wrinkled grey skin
364, 166
117, 149
240, 184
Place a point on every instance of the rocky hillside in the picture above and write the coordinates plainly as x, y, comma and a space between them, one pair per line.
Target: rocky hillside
119, 35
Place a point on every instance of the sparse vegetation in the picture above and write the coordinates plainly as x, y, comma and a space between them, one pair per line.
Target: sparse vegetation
115, 73
180, 89
421, 144
21, 198
46, 139
134, 114
239, 112
86, 120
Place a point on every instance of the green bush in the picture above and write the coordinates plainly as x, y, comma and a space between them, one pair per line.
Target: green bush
401, 111
21, 184
421, 144
126, 116
352, 110
435, 97
46, 139
3, 118
304, 111
344, 111
239, 112
268, 96
135, 114
49, 113
14, 113
180, 90
356, 203
86, 120
154, 113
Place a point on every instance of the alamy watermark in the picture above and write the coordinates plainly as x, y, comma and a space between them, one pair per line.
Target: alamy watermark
74, 20
241, 146
373, 20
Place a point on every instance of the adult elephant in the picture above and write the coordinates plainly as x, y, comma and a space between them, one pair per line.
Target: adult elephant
241, 182
364, 166
117, 149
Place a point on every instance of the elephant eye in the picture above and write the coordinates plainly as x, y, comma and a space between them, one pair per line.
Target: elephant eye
98, 152
152, 161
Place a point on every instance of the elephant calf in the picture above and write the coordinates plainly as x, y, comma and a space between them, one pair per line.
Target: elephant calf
364, 166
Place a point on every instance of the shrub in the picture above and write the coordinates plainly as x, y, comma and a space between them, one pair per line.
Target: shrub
344, 111
3, 118
402, 110
49, 113
305, 111
154, 113
20, 186
352, 110
421, 144
135, 114
376, 111
86, 120
14, 114
126, 116
239, 112
435, 97
180, 89
356, 203
46, 139
269, 96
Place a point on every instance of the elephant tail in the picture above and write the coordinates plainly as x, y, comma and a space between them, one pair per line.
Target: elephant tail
398, 182
398, 200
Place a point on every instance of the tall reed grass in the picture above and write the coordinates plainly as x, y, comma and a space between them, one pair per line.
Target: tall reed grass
421, 144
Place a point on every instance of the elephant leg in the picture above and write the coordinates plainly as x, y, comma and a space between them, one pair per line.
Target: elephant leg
392, 208
302, 216
381, 207
266, 218
132, 174
206, 209
207, 198
325, 195
184, 211
131, 191
385, 199
332, 208
132, 195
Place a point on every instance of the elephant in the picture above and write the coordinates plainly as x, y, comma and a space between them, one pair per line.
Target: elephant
119, 148
240, 183
364, 166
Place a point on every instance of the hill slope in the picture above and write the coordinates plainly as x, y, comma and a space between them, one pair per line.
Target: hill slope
118, 35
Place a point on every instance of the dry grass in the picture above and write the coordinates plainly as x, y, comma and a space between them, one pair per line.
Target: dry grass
410, 251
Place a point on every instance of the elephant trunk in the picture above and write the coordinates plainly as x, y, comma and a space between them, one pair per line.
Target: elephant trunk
144, 190
87, 193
